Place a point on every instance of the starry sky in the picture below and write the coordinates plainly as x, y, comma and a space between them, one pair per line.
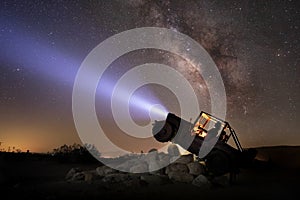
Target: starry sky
255, 45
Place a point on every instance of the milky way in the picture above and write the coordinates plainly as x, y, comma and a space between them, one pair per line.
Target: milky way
254, 44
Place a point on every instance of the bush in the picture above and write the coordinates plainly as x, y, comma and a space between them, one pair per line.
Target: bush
76, 153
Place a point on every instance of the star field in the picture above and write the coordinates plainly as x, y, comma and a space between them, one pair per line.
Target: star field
255, 45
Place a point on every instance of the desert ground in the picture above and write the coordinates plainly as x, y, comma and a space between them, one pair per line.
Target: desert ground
275, 174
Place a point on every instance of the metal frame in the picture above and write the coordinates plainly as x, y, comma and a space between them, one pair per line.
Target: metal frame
226, 125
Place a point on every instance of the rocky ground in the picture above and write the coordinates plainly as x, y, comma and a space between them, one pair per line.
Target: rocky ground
185, 178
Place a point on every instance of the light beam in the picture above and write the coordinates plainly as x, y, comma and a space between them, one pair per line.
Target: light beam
53, 64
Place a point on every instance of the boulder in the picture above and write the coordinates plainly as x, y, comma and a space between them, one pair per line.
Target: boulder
122, 182
139, 168
151, 157
177, 167
195, 168
164, 157
89, 176
124, 166
104, 170
184, 159
156, 167
173, 150
201, 181
79, 176
116, 178
180, 177
72, 172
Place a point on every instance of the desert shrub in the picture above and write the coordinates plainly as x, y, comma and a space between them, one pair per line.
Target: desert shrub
76, 153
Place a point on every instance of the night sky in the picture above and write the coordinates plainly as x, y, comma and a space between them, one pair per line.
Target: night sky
255, 45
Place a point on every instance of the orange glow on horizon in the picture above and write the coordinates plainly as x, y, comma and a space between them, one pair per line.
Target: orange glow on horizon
34, 139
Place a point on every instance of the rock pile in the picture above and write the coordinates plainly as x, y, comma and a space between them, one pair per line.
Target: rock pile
154, 168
